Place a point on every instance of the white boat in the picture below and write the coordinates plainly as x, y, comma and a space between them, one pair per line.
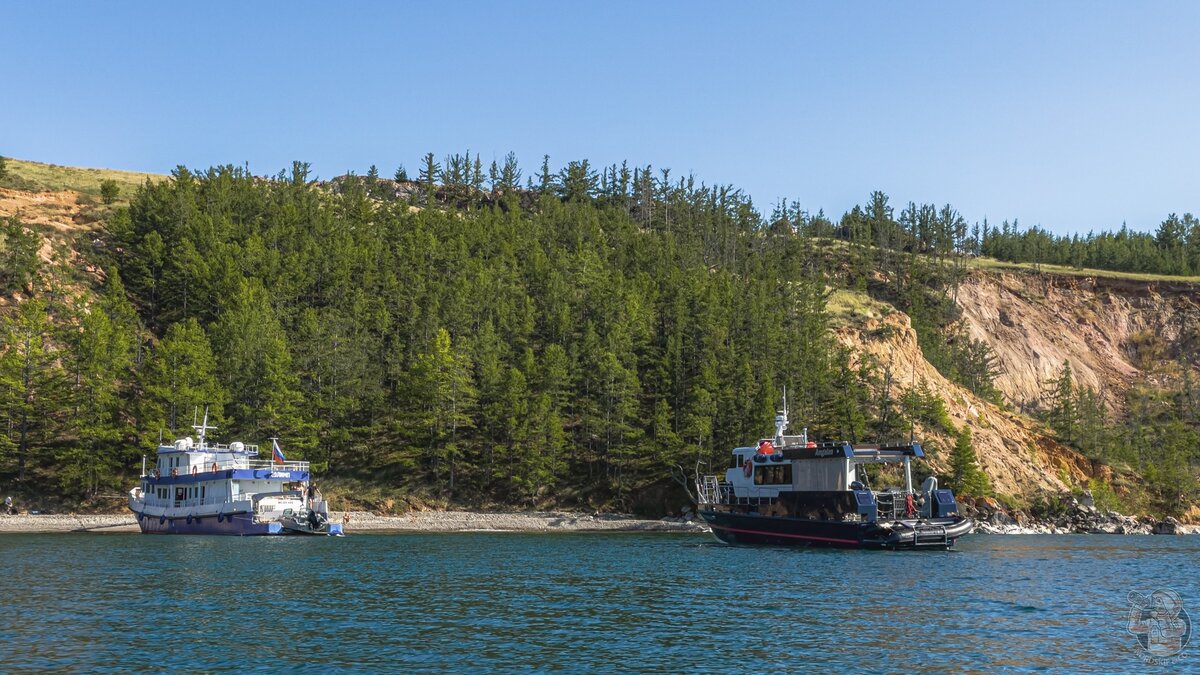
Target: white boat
198, 487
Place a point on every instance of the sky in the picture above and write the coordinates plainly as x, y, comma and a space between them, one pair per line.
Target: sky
1075, 116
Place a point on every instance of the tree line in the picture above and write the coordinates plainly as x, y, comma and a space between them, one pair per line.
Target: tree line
571, 340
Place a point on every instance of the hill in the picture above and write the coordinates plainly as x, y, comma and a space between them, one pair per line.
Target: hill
572, 343
34, 177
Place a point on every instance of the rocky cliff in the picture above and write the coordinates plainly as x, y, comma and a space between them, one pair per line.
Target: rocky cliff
1111, 330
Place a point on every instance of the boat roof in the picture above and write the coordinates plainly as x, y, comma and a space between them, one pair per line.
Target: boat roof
251, 451
866, 454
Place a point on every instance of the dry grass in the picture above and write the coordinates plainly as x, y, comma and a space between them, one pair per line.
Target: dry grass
991, 264
851, 308
35, 176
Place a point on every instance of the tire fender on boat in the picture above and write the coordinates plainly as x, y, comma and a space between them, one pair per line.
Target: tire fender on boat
220, 517
162, 519
189, 519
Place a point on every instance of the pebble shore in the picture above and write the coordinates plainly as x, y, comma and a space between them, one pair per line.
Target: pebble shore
425, 521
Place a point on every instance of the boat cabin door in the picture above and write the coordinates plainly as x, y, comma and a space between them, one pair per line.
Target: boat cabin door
179, 496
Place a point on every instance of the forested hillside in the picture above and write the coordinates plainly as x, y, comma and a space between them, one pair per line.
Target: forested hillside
571, 340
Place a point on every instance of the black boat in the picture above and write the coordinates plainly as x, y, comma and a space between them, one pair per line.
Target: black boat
789, 491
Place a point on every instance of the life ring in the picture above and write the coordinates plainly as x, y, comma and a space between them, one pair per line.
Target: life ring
174, 472
748, 468
215, 468
195, 470
157, 474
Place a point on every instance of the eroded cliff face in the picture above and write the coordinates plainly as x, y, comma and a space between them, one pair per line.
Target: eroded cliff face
1017, 457
1112, 331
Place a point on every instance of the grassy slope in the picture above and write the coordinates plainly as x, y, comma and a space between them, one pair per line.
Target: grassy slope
35, 176
1000, 266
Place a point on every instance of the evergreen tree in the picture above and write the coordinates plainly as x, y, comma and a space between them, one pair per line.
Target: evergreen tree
181, 378
1063, 414
32, 384
966, 478
19, 261
256, 369
441, 382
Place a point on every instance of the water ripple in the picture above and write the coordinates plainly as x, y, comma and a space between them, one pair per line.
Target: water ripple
574, 603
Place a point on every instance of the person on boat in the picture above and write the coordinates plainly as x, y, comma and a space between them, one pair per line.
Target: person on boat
312, 494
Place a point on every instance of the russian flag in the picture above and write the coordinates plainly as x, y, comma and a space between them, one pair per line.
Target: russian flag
276, 453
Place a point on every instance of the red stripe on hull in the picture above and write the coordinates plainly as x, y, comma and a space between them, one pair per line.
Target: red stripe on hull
791, 536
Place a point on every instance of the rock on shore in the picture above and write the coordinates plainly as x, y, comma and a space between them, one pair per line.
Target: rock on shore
1072, 515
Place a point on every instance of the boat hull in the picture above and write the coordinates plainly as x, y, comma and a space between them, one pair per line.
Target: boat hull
238, 525
755, 529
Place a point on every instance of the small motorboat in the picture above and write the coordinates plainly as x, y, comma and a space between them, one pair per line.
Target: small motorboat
312, 522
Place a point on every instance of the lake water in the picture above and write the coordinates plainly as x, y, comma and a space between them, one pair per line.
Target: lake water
488, 602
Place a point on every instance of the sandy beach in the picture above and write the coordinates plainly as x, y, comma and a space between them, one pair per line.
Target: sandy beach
361, 521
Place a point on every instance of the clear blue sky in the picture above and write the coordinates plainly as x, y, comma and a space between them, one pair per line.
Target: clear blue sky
1072, 115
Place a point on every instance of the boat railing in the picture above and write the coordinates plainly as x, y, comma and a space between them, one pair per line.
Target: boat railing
244, 463
711, 490
269, 464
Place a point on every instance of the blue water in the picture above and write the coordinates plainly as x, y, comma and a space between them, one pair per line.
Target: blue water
576, 603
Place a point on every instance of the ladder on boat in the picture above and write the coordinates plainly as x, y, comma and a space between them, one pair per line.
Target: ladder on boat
930, 535
710, 491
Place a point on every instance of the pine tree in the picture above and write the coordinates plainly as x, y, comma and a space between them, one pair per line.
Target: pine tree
19, 260
442, 384
32, 384
181, 378
252, 348
1063, 415
431, 174
966, 478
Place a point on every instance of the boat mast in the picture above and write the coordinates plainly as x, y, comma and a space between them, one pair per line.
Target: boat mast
202, 428
781, 421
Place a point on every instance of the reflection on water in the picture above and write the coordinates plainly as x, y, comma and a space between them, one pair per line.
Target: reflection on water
594, 602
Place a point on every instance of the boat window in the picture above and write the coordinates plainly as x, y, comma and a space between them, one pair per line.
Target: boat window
780, 474
736, 462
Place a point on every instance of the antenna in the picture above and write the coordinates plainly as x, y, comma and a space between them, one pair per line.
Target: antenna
202, 428
781, 421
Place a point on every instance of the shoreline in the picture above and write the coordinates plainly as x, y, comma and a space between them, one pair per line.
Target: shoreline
471, 521
364, 521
